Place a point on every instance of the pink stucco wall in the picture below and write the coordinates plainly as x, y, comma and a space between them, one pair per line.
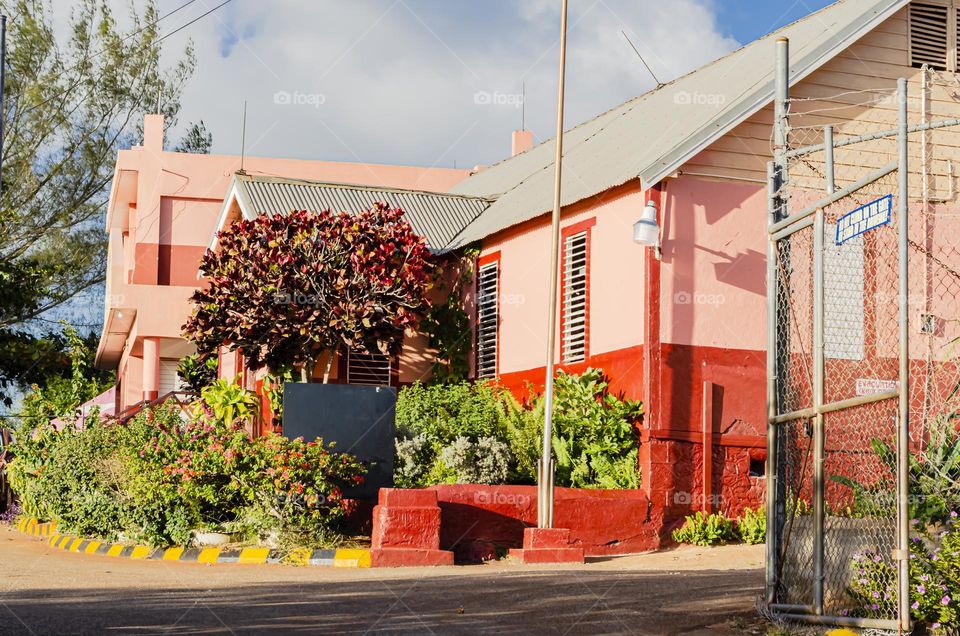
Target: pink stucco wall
616, 280
161, 216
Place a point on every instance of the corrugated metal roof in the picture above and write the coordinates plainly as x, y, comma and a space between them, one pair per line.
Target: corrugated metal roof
437, 216
651, 136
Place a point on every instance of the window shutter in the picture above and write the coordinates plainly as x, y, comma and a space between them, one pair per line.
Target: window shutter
369, 369
169, 380
488, 317
932, 35
575, 298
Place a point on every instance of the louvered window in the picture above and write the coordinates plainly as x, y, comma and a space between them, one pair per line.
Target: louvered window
933, 34
575, 281
488, 318
169, 380
369, 369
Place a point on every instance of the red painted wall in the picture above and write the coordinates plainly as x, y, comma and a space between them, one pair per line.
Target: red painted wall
479, 521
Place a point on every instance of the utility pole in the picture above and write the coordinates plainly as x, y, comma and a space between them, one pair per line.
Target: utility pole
545, 472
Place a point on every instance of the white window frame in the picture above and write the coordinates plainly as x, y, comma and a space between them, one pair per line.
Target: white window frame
576, 278
488, 319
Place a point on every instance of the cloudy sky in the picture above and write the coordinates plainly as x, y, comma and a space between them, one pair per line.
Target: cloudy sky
434, 82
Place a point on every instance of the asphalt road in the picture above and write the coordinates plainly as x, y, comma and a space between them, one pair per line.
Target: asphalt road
44, 591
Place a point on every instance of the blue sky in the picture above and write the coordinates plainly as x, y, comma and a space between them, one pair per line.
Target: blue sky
431, 82
747, 20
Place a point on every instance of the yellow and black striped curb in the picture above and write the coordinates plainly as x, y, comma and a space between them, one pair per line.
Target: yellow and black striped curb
341, 557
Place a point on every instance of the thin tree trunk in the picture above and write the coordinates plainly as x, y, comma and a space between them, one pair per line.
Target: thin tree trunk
306, 371
331, 354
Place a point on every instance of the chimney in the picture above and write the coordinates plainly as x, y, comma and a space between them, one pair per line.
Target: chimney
522, 141
153, 133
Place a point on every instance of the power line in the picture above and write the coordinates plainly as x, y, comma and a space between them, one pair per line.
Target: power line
124, 39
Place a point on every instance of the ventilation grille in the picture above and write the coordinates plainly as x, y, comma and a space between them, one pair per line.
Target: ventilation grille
930, 37
488, 293
575, 298
369, 370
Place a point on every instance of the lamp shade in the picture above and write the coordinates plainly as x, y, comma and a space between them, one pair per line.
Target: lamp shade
646, 231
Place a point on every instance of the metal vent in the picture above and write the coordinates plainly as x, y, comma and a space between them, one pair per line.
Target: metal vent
932, 35
368, 369
488, 317
575, 298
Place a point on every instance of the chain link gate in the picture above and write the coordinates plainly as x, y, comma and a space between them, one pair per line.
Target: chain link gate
863, 281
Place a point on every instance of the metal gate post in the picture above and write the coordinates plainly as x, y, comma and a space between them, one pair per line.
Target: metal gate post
772, 451
818, 378
776, 177
903, 431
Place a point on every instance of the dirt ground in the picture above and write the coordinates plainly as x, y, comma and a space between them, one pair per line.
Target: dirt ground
682, 591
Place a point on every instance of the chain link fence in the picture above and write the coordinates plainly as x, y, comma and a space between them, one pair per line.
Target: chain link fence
837, 342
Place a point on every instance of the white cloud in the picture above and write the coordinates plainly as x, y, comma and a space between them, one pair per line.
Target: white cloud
394, 81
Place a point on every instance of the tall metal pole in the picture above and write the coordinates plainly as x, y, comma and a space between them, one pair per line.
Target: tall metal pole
545, 474
819, 434
903, 432
777, 171
772, 542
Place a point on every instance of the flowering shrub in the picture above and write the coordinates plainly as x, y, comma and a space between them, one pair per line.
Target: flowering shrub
162, 475
934, 577
11, 513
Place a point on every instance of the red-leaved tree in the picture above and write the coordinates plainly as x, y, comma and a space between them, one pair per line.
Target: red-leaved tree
287, 289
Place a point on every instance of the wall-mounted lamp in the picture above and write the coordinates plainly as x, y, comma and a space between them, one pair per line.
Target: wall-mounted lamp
646, 231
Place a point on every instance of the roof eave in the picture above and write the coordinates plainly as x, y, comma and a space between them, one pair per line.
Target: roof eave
670, 162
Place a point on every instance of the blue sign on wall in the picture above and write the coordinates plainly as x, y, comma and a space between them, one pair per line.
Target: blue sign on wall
864, 218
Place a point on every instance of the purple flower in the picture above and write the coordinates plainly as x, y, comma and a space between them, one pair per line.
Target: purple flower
915, 605
876, 594
945, 600
921, 589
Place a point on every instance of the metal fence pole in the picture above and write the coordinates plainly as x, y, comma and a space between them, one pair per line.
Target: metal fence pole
772, 453
777, 177
818, 373
903, 432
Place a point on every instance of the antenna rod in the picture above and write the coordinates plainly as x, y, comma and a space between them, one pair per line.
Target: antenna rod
523, 106
243, 135
647, 66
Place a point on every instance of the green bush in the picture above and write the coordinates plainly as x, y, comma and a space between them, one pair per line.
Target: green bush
444, 412
479, 433
752, 526
484, 461
595, 438
706, 530
162, 475
523, 428
72, 476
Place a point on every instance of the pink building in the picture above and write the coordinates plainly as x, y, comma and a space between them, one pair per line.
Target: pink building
161, 216
685, 333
